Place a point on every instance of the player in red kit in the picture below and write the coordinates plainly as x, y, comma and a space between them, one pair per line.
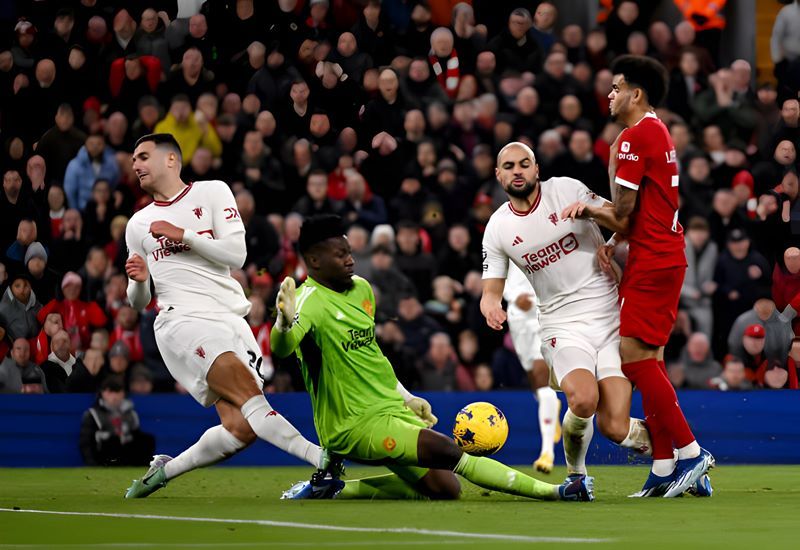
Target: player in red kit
644, 179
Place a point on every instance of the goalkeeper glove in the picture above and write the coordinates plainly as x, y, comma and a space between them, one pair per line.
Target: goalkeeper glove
422, 409
418, 406
285, 303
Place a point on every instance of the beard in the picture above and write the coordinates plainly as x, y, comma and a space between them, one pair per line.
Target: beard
522, 192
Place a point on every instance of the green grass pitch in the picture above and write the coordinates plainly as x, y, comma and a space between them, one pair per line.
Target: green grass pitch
754, 507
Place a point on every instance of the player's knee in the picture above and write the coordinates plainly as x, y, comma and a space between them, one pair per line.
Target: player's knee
615, 429
450, 489
583, 402
241, 430
440, 485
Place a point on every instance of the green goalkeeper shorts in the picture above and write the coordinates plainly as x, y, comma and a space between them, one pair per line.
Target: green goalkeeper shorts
388, 438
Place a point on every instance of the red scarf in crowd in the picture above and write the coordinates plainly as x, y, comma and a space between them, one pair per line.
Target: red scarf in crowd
449, 79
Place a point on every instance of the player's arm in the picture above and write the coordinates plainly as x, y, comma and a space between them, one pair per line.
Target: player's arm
611, 215
136, 268
491, 303
289, 330
495, 272
227, 247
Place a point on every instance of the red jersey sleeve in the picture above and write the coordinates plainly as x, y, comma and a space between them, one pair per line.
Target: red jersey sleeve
631, 158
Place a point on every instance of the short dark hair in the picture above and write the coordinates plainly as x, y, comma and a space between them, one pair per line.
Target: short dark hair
317, 229
167, 141
645, 73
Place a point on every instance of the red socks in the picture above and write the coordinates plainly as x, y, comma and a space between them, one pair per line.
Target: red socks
664, 417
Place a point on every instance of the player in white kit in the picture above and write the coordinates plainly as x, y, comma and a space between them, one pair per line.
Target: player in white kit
523, 324
577, 302
186, 241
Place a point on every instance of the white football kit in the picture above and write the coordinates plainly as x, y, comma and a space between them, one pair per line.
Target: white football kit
201, 307
523, 325
577, 301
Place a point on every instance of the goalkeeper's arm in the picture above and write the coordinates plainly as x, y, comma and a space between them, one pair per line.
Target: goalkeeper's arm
418, 406
286, 334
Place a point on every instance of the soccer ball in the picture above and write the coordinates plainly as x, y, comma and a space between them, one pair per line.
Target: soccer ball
480, 429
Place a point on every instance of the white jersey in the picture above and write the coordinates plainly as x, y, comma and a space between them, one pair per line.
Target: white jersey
558, 257
183, 279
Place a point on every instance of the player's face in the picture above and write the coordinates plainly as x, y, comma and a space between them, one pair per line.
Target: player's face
620, 96
152, 164
517, 173
336, 262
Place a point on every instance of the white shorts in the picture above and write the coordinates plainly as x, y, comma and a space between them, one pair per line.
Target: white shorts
525, 330
598, 337
189, 345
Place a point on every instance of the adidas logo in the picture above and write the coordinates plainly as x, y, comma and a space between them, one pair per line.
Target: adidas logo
517, 240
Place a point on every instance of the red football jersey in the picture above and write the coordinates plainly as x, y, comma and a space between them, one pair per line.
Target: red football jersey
646, 162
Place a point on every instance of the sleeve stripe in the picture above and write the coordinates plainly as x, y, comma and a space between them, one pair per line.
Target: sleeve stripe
625, 183
303, 297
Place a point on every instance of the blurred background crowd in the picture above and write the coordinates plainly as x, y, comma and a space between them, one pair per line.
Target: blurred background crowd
389, 113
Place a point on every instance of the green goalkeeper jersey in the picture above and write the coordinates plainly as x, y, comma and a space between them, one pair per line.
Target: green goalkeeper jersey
345, 372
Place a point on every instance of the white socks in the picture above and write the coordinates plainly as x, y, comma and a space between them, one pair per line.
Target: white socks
638, 438
692, 450
578, 434
214, 445
270, 426
663, 467
548, 417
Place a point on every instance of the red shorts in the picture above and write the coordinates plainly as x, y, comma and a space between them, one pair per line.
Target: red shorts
649, 303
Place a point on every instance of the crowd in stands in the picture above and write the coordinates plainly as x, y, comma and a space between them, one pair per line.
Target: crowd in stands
390, 114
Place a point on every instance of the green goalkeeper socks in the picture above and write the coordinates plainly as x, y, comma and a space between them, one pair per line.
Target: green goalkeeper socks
389, 486
490, 474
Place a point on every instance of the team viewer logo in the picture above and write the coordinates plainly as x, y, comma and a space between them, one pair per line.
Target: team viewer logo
550, 254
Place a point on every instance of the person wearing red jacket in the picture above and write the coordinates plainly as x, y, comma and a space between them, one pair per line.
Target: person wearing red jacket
126, 330
79, 317
786, 282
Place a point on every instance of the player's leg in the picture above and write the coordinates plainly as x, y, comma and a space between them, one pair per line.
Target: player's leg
229, 378
613, 410
524, 330
574, 368
234, 434
549, 408
614, 420
405, 483
440, 452
216, 444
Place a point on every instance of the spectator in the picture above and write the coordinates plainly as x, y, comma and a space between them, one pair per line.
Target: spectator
358, 207
150, 37
61, 143
16, 204
445, 307
785, 45
94, 161
18, 374
457, 257
440, 369
316, 200
733, 377
261, 174
189, 77
140, 381
41, 345
415, 263
126, 331
793, 364
18, 308
61, 365
741, 275
392, 343
131, 78
786, 281
392, 285
698, 364
417, 327
445, 62
544, 23
110, 430
699, 285
191, 130
514, 48
261, 237
776, 324
78, 315
725, 107
580, 162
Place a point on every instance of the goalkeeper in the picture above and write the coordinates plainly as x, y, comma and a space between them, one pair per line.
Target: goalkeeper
361, 411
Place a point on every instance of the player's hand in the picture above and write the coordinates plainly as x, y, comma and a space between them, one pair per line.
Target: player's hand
604, 256
494, 314
524, 302
576, 210
285, 304
166, 229
136, 268
422, 409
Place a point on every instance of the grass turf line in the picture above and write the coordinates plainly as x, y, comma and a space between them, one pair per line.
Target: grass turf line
751, 504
